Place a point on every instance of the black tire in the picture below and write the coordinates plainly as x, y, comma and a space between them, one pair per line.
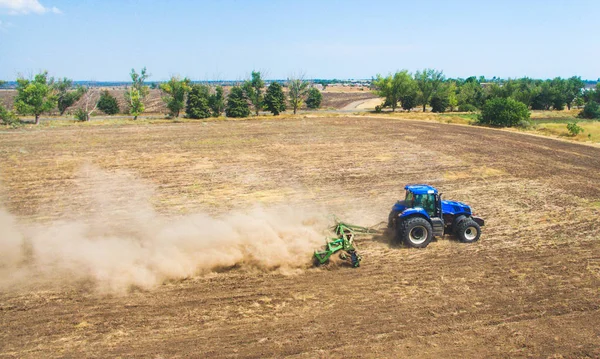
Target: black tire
415, 232
392, 219
468, 231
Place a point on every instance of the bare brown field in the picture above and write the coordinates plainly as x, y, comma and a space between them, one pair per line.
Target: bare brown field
529, 288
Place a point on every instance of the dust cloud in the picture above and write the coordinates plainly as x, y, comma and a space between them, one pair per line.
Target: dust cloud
114, 239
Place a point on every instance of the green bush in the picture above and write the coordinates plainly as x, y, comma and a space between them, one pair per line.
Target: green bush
591, 110
8, 118
574, 129
275, 99
198, 102
504, 112
81, 115
313, 101
467, 107
378, 109
439, 103
409, 101
237, 103
108, 103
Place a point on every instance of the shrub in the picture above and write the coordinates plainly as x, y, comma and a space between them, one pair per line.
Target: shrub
409, 101
81, 115
198, 102
439, 103
216, 101
108, 103
574, 129
8, 117
313, 101
467, 107
591, 110
275, 99
504, 112
378, 109
237, 103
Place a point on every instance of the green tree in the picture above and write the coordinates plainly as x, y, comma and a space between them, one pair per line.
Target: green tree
297, 90
35, 97
136, 104
136, 94
471, 93
216, 102
559, 89
253, 89
237, 103
573, 90
275, 99
65, 94
198, 102
394, 87
409, 101
504, 112
439, 102
2, 83
175, 91
428, 81
591, 110
452, 95
313, 101
108, 103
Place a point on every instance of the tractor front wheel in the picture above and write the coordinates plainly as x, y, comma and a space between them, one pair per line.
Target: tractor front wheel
468, 231
415, 232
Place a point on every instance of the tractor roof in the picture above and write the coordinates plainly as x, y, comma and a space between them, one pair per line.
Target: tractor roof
420, 189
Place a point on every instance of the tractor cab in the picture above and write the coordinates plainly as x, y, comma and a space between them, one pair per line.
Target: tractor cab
420, 198
426, 198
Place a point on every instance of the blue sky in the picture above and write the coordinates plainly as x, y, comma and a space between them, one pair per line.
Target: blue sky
224, 40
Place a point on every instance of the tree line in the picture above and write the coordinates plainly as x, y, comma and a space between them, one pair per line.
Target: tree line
44, 94
430, 87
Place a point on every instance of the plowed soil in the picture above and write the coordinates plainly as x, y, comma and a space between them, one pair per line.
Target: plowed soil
529, 288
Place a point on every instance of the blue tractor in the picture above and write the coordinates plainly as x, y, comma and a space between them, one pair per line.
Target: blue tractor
423, 215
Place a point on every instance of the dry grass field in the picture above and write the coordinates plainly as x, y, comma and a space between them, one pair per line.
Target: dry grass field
194, 239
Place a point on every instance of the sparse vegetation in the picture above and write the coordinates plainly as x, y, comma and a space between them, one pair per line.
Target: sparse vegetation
7, 117
574, 129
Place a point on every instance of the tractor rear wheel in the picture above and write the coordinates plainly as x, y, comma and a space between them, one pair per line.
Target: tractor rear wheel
392, 219
415, 232
468, 231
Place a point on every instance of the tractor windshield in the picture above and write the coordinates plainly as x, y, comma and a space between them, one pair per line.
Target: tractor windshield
425, 201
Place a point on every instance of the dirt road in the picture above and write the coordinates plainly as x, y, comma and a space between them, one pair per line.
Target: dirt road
530, 287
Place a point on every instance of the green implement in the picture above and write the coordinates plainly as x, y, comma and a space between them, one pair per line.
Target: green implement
344, 241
